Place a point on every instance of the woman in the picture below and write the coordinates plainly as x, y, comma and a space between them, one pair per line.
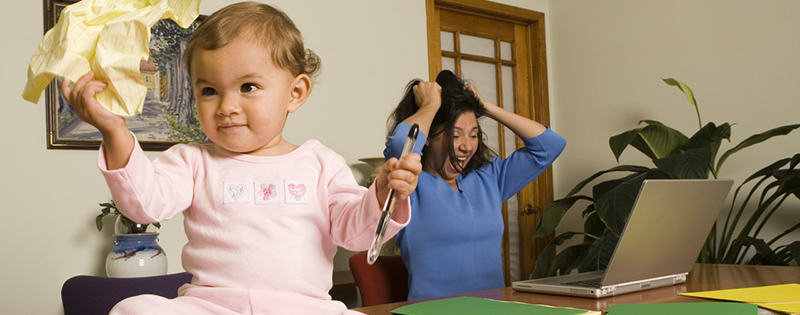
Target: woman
453, 242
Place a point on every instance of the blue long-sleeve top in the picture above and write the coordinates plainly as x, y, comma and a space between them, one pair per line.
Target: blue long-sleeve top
453, 241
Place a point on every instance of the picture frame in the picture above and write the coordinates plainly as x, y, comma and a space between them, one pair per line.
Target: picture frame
168, 116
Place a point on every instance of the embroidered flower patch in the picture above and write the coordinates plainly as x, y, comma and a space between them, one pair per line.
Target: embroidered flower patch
268, 192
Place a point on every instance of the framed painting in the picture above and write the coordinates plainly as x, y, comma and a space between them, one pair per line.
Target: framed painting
168, 116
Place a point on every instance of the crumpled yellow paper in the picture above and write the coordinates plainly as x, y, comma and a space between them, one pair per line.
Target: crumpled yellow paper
110, 38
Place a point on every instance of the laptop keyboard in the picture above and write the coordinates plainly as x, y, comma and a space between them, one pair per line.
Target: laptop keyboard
590, 283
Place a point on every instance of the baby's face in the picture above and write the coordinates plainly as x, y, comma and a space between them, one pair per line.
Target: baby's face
243, 98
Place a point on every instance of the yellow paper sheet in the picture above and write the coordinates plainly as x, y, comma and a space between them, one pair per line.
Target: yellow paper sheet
110, 38
783, 297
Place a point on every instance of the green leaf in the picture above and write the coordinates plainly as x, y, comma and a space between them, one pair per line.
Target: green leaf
588, 211
602, 188
593, 226
709, 136
791, 184
689, 96
686, 90
621, 141
756, 139
687, 164
659, 138
794, 251
563, 261
694, 158
99, 222
615, 205
540, 266
789, 179
553, 213
764, 202
619, 168
765, 255
769, 170
655, 140
599, 255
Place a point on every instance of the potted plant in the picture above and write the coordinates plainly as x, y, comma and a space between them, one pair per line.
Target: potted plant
123, 225
779, 184
675, 156
136, 252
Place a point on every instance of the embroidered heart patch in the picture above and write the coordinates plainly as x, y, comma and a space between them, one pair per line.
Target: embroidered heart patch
297, 191
236, 192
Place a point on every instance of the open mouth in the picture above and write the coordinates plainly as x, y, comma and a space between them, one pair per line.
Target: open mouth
462, 161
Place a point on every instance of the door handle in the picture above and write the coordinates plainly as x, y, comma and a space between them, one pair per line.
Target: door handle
528, 210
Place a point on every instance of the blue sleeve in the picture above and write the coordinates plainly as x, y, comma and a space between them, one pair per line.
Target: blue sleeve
395, 142
526, 163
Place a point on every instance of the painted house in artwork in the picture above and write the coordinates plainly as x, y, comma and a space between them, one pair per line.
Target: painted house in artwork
151, 76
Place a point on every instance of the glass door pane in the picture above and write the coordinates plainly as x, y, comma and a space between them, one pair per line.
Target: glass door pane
485, 77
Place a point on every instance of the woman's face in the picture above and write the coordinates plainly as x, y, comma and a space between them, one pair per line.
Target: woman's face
465, 143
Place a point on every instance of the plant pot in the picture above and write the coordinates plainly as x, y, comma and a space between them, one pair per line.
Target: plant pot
377, 164
136, 255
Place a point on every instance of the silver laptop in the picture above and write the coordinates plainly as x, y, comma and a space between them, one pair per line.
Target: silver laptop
666, 230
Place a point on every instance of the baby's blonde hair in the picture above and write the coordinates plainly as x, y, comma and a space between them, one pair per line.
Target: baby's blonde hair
265, 25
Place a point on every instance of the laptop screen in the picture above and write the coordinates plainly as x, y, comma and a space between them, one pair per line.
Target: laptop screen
667, 227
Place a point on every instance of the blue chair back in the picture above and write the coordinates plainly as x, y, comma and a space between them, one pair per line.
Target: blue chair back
90, 295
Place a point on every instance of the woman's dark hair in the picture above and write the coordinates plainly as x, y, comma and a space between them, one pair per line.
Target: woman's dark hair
456, 100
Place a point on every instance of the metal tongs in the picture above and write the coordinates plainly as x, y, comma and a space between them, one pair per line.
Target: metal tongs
388, 206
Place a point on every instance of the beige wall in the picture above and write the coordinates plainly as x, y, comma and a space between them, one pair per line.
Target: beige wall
605, 58
739, 57
369, 50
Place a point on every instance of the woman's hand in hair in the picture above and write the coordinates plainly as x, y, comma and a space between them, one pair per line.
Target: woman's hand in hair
428, 96
521, 126
490, 107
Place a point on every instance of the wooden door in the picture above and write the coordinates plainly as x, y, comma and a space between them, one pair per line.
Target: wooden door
502, 50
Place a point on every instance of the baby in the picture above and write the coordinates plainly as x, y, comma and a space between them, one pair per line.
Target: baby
263, 216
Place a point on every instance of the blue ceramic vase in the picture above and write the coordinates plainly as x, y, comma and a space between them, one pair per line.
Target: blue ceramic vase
136, 255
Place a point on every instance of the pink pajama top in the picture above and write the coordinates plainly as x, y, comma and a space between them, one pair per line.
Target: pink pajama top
268, 224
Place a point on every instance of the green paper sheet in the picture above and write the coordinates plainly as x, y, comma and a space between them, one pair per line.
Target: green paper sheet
693, 308
479, 306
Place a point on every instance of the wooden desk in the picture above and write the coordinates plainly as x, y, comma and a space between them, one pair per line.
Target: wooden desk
703, 277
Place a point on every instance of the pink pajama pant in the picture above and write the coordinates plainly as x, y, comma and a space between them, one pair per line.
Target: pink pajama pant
198, 300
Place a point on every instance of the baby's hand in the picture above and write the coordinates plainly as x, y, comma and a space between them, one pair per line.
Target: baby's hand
88, 109
117, 139
399, 175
